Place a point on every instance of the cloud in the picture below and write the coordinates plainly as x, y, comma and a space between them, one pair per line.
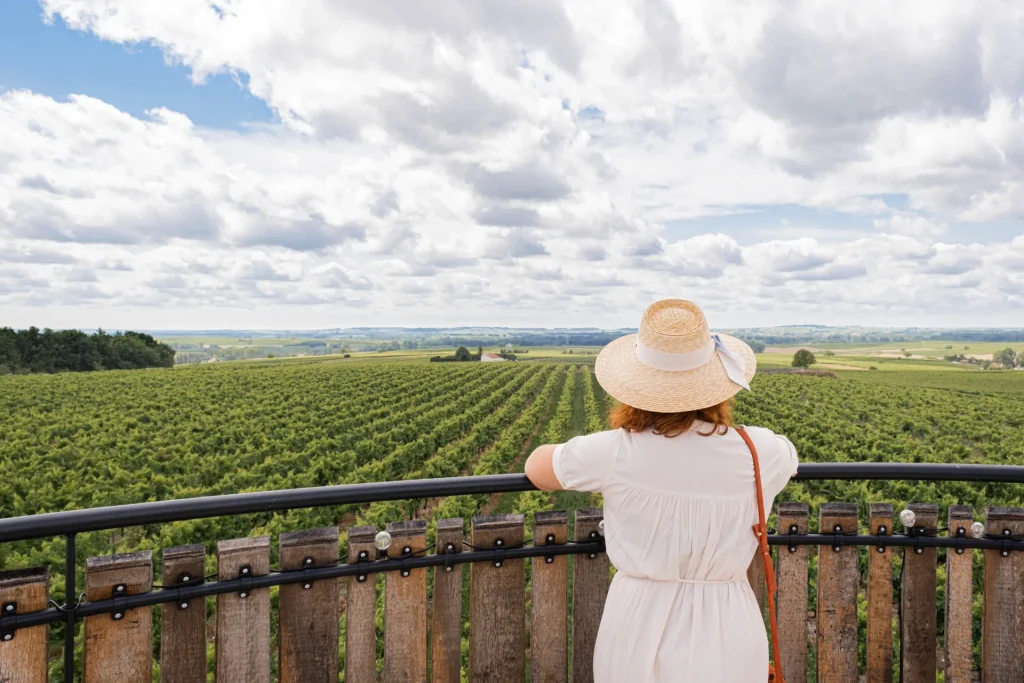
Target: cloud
537, 154
507, 216
523, 181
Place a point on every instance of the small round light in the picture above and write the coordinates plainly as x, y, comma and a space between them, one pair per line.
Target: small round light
908, 518
978, 530
382, 540
600, 527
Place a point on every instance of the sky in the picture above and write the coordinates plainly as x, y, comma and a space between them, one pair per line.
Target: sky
309, 164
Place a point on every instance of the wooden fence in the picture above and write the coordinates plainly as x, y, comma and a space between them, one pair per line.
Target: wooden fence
518, 626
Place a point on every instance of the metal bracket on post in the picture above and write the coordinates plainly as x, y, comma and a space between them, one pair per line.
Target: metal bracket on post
184, 579
245, 581
406, 566
120, 591
449, 552
8, 621
499, 553
549, 540
361, 561
883, 531
307, 564
596, 537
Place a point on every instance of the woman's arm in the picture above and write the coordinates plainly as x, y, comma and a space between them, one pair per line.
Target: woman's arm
540, 470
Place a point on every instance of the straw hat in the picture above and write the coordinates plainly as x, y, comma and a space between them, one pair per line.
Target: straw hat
674, 363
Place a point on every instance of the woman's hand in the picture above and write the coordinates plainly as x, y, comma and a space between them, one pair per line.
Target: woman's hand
541, 471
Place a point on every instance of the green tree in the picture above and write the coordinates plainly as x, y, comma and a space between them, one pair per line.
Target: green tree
1006, 357
462, 353
803, 359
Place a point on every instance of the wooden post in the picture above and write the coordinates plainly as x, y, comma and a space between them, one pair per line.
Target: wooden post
447, 612
183, 623
879, 637
497, 598
308, 641
360, 610
959, 599
1002, 639
23, 652
243, 618
791, 568
119, 646
549, 643
405, 607
837, 598
918, 597
589, 590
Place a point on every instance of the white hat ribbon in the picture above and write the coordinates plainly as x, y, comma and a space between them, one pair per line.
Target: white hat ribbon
691, 360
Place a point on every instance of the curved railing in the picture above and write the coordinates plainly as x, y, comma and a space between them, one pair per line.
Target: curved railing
72, 522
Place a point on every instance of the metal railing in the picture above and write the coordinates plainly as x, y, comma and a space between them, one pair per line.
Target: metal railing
70, 523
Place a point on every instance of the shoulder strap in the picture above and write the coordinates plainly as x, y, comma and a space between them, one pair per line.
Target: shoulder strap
761, 532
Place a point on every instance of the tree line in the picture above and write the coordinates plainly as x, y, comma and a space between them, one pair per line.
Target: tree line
48, 351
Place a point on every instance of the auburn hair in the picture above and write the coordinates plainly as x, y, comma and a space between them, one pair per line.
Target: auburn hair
672, 424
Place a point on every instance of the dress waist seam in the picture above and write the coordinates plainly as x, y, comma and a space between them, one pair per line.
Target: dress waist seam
689, 581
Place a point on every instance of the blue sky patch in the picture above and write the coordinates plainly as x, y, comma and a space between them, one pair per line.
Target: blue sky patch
53, 60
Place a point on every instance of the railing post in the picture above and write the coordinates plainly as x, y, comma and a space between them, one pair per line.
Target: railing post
791, 563
1002, 640
497, 604
447, 613
243, 618
119, 645
549, 644
23, 653
959, 650
183, 623
360, 610
837, 598
918, 599
590, 588
405, 607
879, 636
70, 601
308, 638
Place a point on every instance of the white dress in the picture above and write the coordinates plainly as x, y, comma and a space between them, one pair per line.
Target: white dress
678, 514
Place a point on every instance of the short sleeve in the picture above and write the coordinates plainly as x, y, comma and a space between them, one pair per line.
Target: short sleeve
786, 462
586, 463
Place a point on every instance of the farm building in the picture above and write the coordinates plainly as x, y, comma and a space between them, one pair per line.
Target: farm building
490, 357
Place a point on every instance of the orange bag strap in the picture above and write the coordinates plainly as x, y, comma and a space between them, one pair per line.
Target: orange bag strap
761, 532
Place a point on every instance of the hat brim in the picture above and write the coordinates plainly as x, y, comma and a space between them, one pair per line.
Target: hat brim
621, 374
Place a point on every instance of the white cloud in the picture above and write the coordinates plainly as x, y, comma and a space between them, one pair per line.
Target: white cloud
529, 157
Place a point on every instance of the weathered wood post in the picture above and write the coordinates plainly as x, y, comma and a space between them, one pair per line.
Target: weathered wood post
879, 636
791, 568
446, 647
1002, 639
183, 623
243, 618
497, 604
308, 640
405, 607
549, 645
959, 599
23, 653
119, 646
918, 599
590, 588
360, 610
837, 597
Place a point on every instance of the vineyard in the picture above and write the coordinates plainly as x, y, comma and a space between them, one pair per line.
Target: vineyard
86, 440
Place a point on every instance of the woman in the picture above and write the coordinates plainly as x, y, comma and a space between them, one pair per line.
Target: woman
679, 503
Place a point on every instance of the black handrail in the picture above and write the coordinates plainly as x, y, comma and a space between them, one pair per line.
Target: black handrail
119, 516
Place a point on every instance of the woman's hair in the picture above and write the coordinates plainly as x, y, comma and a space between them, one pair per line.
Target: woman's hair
672, 424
